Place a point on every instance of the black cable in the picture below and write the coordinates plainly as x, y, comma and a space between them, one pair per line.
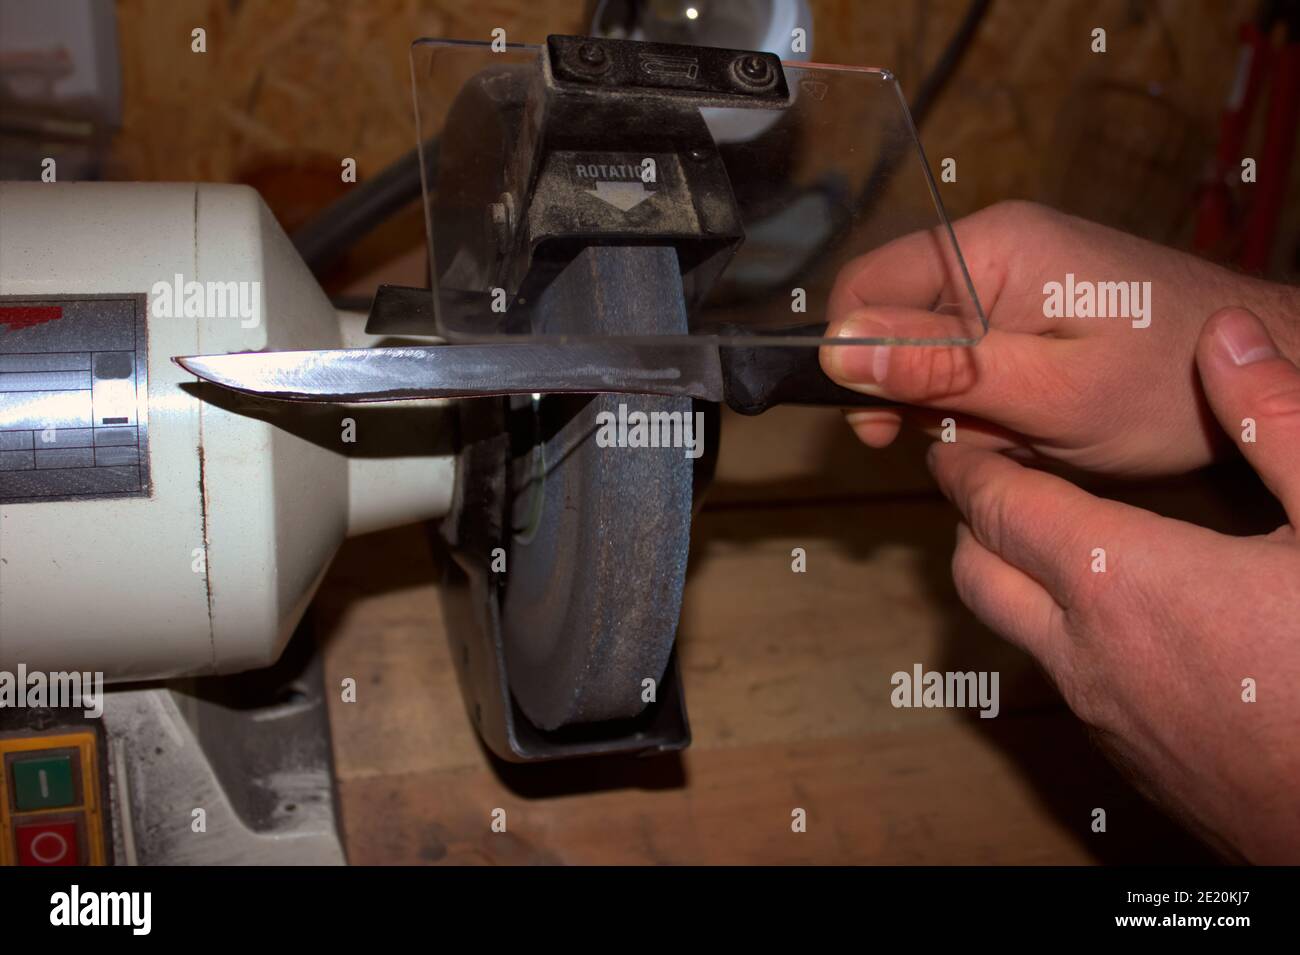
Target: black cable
949, 60
926, 96
338, 226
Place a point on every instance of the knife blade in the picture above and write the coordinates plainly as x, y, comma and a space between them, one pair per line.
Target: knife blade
463, 371
749, 377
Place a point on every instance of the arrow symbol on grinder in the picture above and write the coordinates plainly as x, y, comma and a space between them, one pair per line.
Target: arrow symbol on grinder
622, 195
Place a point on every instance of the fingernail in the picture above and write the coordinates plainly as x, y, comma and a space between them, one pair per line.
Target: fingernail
861, 364
1243, 339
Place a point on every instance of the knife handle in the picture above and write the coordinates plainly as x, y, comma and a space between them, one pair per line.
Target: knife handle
757, 377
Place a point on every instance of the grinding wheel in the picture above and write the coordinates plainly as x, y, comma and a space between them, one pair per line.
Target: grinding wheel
594, 584
596, 563
598, 560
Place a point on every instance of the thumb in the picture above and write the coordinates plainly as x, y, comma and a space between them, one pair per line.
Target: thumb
987, 380
1255, 394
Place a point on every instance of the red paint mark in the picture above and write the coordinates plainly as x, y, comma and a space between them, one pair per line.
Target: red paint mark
26, 316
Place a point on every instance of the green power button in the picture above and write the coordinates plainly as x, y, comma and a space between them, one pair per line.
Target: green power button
43, 782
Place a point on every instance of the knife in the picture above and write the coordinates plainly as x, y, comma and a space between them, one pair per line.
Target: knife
749, 377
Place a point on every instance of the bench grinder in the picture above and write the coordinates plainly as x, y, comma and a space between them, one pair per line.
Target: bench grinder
189, 429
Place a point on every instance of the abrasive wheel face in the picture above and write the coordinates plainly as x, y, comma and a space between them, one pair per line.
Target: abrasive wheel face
597, 564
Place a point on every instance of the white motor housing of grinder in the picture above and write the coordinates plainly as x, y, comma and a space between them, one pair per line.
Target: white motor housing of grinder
150, 527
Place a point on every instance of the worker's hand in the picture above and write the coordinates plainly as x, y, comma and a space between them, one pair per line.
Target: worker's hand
1184, 651
1095, 393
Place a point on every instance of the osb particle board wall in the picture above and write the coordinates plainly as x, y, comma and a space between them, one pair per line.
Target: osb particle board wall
302, 83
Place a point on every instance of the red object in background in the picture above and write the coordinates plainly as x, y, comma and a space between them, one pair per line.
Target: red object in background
1244, 230
47, 843
1214, 221
1274, 158
25, 316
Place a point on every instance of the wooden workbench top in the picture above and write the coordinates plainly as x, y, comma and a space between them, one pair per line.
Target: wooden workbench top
787, 681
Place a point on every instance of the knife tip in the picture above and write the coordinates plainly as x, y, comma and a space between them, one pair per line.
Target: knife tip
198, 366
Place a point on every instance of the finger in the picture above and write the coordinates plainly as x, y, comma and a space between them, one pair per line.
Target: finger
1037, 522
1255, 394
1007, 600
880, 427
988, 380
875, 428
942, 425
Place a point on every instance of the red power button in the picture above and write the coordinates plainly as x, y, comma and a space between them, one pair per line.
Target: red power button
47, 843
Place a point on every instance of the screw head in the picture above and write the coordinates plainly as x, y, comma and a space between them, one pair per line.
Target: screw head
753, 71
591, 54
589, 60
